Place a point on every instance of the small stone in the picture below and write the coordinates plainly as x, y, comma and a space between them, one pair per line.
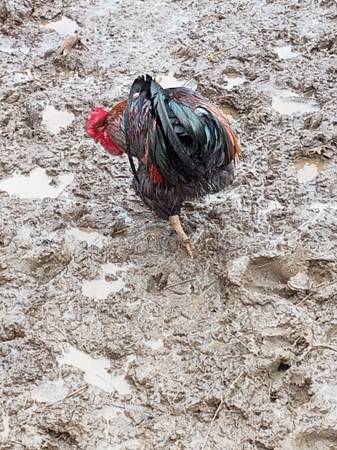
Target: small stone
13, 97
299, 282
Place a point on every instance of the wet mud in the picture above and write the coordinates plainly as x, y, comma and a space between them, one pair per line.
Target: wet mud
110, 336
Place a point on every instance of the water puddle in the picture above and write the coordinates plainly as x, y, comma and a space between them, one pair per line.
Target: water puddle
267, 207
230, 111
154, 344
86, 235
35, 185
50, 392
288, 102
285, 52
308, 169
233, 79
169, 80
272, 205
62, 26
55, 119
101, 288
95, 371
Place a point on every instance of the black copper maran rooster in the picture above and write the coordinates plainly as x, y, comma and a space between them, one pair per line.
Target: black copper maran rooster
184, 145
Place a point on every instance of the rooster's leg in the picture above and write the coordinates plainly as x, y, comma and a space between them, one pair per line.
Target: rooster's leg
176, 225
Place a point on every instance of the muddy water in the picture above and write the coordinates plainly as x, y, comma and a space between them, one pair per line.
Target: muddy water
35, 185
87, 235
308, 169
94, 371
110, 337
101, 288
50, 392
54, 119
288, 102
233, 80
285, 52
62, 26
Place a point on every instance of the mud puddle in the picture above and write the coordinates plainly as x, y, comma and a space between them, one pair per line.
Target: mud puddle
169, 80
62, 26
233, 80
308, 169
288, 102
54, 119
36, 185
95, 370
87, 235
112, 282
285, 52
50, 392
230, 111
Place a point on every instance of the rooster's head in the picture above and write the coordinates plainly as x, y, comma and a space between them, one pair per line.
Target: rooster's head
96, 127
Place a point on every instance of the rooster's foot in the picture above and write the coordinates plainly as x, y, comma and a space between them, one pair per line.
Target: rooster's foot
176, 225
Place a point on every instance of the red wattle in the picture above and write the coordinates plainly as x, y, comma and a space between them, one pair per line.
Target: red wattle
104, 139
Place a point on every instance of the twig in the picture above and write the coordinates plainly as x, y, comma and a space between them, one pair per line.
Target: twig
78, 391
119, 231
179, 283
230, 387
315, 289
242, 343
322, 347
208, 287
72, 394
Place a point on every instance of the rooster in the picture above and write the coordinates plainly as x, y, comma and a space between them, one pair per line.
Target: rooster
184, 146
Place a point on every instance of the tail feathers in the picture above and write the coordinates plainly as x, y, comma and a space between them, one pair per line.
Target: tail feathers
162, 109
187, 141
190, 121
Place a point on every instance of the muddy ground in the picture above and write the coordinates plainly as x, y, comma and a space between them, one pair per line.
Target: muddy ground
111, 337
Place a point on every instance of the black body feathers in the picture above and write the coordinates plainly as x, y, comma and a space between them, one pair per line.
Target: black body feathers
183, 143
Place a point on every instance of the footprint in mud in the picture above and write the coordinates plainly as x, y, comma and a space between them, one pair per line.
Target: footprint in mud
169, 80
